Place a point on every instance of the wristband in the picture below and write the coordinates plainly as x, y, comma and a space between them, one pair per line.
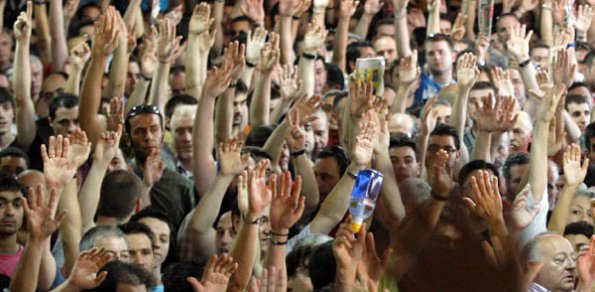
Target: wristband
438, 197
274, 242
146, 78
351, 175
40, 2
251, 65
232, 85
279, 234
309, 56
524, 63
571, 45
255, 222
298, 152
295, 17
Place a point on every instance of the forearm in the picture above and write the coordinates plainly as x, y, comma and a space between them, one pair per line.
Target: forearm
287, 54
470, 9
207, 209
202, 130
218, 7
224, 116
318, 14
459, 111
391, 196
345, 278
402, 34
306, 73
561, 211
340, 46
363, 25
138, 95
59, 48
73, 83
433, 23
247, 75
118, 69
546, 24
261, 101
42, 29
302, 166
482, 146
400, 101
71, 228
26, 275
91, 99
422, 147
158, 91
25, 110
279, 111
90, 193
274, 144
47, 270
243, 252
276, 256
192, 65
538, 160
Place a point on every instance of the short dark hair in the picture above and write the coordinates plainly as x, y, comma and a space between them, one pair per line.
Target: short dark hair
152, 212
259, 135
440, 37
176, 100
66, 100
322, 265
481, 85
447, 130
6, 96
402, 140
175, 275
297, 258
334, 76
580, 227
132, 227
589, 133
256, 152
242, 18
9, 183
353, 50
123, 273
588, 61
576, 98
15, 152
476, 165
142, 109
577, 84
119, 191
517, 158
339, 154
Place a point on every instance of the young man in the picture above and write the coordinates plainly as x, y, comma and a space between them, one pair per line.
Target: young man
579, 107
139, 239
440, 57
403, 157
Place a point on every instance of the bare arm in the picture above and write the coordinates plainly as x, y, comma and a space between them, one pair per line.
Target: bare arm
546, 23
224, 116
287, 9
371, 8
59, 48
261, 99
401, 31
79, 56
119, 65
42, 28
199, 41
168, 48
71, 228
313, 40
409, 72
346, 10
433, 17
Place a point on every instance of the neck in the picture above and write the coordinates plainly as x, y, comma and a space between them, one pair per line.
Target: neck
104, 220
6, 139
8, 244
186, 162
442, 77
157, 274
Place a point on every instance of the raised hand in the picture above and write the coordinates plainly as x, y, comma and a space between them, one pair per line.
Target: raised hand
482, 44
495, 116
409, 71
518, 44
23, 25
296, 136
132, 37
201, 20
216, 274
269, 55
289, 8
373, 267
168, 45
347, 8
584, 16
287, 205
79, 55
400, 5
175, 15
148, 55
85, 274
467, 71
234, 53
371, 7
429, 116
315, 37
80, 148
115, 113
320, 4
549, 102
289, 84
153, 168
70, 8
487, 202
502, 81
439, 177
458, 28
349, 250
585, 265
521, 216
107, 34
58, 170
361, 96
433, 5
363, 146
255, 41
382, 141
253, 9
41, 223
259, 194
574, 173
306, 107
230, 158
563, 69
107, 146
218, 80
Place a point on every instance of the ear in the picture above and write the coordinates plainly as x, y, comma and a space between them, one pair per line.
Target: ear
137, 206
454, 55
458, 155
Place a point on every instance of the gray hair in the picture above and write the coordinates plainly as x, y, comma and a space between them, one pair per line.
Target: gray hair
89, 239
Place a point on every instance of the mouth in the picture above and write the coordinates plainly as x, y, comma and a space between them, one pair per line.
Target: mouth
8, 222
569, 279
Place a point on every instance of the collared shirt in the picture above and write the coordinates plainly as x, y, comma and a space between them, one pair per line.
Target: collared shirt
181, 169
534, 287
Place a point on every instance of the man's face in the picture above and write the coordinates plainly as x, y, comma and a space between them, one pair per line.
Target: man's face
445, 27
181, 125
541, 57
327, 175
518, 86
162, 238
90, 13
580, 210
320, 129
558, 257
520, 136
66, 120
439, 57
504, 27
177, 82
446, 143
476, 95
366, 52
11, 212
146, 134
309, 138
50, 88
405, 164
5, 49
320, 76
580, 113
13, 164
517, 172
443, 113
140, 249
114, 246
6, 117
386, 30
239, 27
239, 108
132, 77
579, 241
386, 47
225, 234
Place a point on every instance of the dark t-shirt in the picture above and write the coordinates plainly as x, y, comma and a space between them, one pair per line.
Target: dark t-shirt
44, 131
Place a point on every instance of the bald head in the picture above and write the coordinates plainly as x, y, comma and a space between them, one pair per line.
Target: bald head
401, 123
31, 178
558, 258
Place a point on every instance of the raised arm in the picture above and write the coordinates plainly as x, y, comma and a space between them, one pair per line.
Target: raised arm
290, 88
287, 9
493, 118
261, 99
42, 29
255, 41
409, 72
433, 17
79, 55
148, 62
346, 10
319, 11
518, 48
200, 23
59, 48
25, 110
71, 228
314, 39
429, 118
85, 273
371, 8
401, 31
105, 42
119, 64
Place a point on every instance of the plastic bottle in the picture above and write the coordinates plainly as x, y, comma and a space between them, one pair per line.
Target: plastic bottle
363, 196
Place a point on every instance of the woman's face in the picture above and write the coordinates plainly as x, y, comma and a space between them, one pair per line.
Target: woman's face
580, 210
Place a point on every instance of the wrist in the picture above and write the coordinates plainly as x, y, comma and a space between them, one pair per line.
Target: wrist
251, 218
280, 232
37, 241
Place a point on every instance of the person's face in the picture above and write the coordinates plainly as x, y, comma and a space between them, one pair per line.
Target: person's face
552, 179
517, 172
66, 121
239, 108
320, 76
5, 49
443, 113
309, 138
580, 210
146, 134
51, 87
90, 13
386, 30
439, 57
284, 158
445, 27
320, 129
225, 234
580, 113
239, 27
114, 246
140, 249
557, 273
476, 95
504, 27
405, 164
520, 136
366, 52
446, 143
13, 164
327, 175
121, 287
579, 241
518, 86
162, 238
182, 132
591, 146
11, 212
6, 117
541, 56
132, 77
386, 47
177, 82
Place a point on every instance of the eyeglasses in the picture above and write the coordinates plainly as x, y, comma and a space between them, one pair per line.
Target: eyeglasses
434, 148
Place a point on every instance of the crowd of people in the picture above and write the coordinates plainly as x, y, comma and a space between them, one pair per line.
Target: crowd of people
214, 146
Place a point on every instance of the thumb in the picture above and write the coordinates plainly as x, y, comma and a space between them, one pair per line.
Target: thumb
196, 285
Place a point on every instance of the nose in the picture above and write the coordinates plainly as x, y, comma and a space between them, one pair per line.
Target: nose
9, 210
138, 259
